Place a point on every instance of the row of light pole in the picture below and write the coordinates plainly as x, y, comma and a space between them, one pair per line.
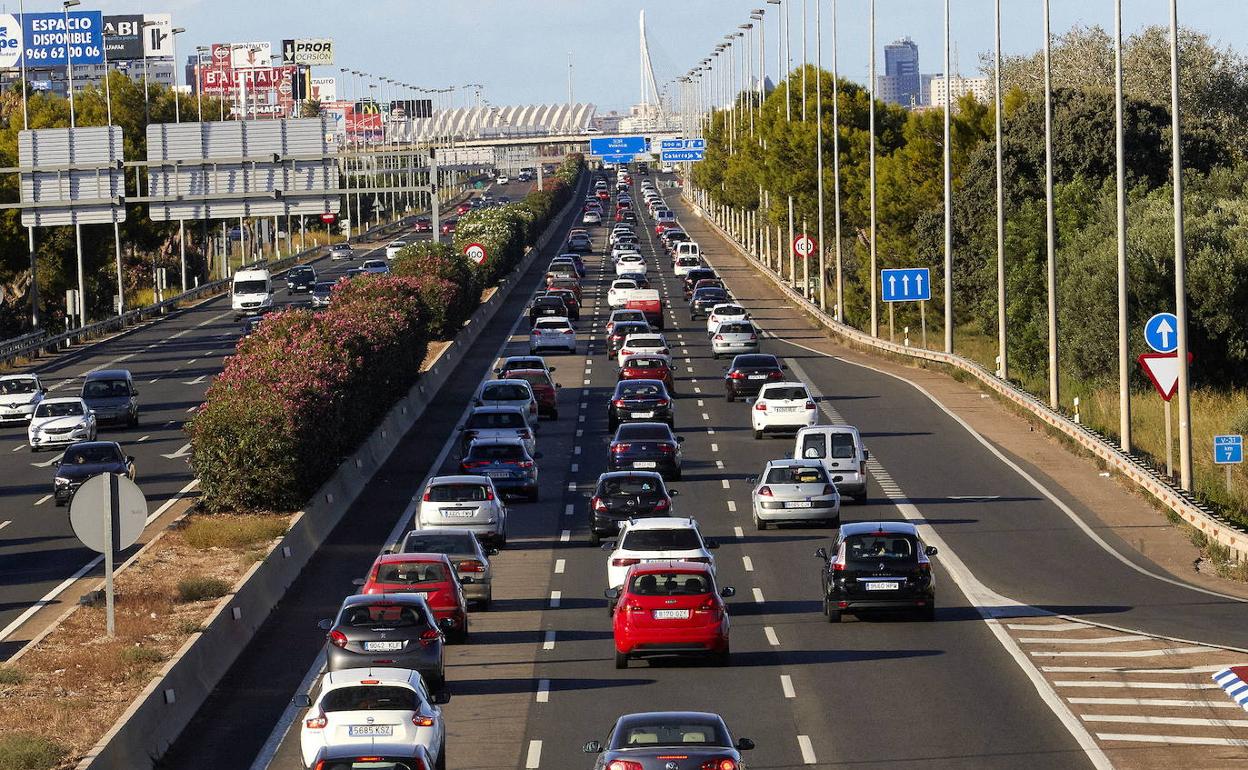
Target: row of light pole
712, 86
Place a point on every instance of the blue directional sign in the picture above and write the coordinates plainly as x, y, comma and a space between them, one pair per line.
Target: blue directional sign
46, 40
617, 145
621, 158
908, 284
1162, 332
672, 144
678, 156
1228, 450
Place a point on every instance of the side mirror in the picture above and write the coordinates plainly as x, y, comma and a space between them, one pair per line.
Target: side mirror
302, 701
447, 624
491, 551
673, 493
462, 428
752, 480
866, 454
727, 592
609, 545
680, 439
388, 551
550, 368
441, 697
325, 624
558, 386
613, 594
930, 550
358, 582
130, 459
710, 543
745, 744
821, 553
498, 370
593, 747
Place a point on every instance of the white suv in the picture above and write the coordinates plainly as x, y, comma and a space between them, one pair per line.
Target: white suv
552, 332
644, 345
465, 502
783, 407
656, 539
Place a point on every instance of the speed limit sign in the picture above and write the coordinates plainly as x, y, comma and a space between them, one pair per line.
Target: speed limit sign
475, 252
803, 246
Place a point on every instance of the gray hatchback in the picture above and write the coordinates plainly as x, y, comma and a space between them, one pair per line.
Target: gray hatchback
470, 558
393, 630
111, 394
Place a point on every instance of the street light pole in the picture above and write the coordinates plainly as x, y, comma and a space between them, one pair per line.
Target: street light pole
30, 229
108, 104
948, 160
1124, 361
1050, 220
82, 279
177, 118
875, 314
823, 294
1180, 260
836, 173
1002, 354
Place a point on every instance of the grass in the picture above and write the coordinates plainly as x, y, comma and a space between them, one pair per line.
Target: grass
9, 675
195, 588
27, 751
137, 656
235, 531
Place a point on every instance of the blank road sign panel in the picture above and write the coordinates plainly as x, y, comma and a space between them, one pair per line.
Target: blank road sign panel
88, 193
910, 284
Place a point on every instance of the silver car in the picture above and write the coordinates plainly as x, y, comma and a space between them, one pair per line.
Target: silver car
733, 337
470, 559
794, 490
507, 393
465, 502
341, 251
491, 422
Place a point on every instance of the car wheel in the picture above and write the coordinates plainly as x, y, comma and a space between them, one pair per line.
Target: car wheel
759, 524
715, 356
554, 415
461, 636
441, 763
595, 539
833, 614
929, 612
534, 494
724, 657
621, 660
612, 424
484, 604
60, 503
860, 498
758, 434
729, 397
34, 450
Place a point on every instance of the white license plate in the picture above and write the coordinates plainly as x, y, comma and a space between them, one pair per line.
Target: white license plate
803, 504
881, 586
783, 409
499, 474
457, 514
382, 646
645, 464
370, 731
757, 377
671, 614
643, 414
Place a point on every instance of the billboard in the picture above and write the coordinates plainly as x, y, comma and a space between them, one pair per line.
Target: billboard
45, 41
242, 55
411, 108
364, 120
324, 90
127, 38
313, 52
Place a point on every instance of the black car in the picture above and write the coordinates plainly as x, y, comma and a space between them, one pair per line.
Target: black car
512, 363
667, 739
250, 325
693, 276
620, 332
623, 495
392, 630
749, 372
580, 242
640, 278
85, 459
320, 293
300, 279
878, 566
627, 215
671, 237
547, 306
647, 446
645, 400
704, 299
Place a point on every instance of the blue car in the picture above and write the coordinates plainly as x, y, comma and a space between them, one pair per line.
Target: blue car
506, 462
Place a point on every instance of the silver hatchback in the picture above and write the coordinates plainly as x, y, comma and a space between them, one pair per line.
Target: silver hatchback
794, 490
733, 337
465, 502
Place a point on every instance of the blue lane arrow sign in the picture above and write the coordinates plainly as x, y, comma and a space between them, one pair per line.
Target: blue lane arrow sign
1162, 332
909, 284
623, 158
1228, 450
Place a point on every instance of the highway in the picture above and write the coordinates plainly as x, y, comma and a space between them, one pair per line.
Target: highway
173, 361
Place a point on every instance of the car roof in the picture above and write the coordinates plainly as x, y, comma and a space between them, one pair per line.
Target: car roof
459, 479
675, 565
547, 319
26, 376
661, 522
412, 558
108, 374
498, 441
504, 381
794, 463
495, 409
869, 527
674, 716
784, 383
655, 475
62, 400
356, 600
345, 677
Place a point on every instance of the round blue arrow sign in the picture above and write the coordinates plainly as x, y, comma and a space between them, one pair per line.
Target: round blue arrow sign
1162, 332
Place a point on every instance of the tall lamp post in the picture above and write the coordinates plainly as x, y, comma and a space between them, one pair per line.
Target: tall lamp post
81, 310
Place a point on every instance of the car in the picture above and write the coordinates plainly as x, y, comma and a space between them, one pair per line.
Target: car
623, 495
570, 284
709, 283
637, 399
693, 276
623, 314
361, 710
469, 557
300, 279
396, 630
705, 298
794, 490
545, 390
85, 459
644, 741
321, 293
626, 245
394, 247
620, 231
423, 225
502, 179
672, 236
521, 362
463, 208
617, 295
638, 278
725, 311
580, 242
467, 501
547, 306
556, 333
431, 574
782, 407
683, 264
748, 372
626, 215
571, 302
647, 446
449, 225
840, 449
509, 465
603, 195
649, 344
354, 272
670, 608
111, 396
493, 422
20, 396
561, 268
59, 422
731, 338
642, 367
650, 540
375, 267
576, 259
877, 566
508, 392
630, 262
340, 251
591, 218
622, 331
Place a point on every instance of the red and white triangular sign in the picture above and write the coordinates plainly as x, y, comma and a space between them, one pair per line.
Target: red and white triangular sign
1163, 370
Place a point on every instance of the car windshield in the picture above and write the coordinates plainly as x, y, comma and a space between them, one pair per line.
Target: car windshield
301, 272
534, 378
629, 327
669, 584
624, 285
505, 392
785, 393
98, 453
553, 325
106, 389
391, 615
815, 446
373, 763
629, 315
630, 486
496, 420
683, 732
411, 573
250, 287
16, 387
729, 310
639, 341
880, 546
496, 453
439, 542
787, 474
455, 493
736, 328
63, 409
641, 390
370, 698
683, 539
643, 432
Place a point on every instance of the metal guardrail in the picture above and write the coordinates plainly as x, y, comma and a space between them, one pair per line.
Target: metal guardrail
7, 347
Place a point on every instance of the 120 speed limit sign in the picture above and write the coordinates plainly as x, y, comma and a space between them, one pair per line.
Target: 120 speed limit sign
803, 246
475, 252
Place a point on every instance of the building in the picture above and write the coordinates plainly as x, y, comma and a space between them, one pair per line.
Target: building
56, 79
900, 83
980, 88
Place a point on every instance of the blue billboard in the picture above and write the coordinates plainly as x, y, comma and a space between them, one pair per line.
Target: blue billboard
617, 145
47, 40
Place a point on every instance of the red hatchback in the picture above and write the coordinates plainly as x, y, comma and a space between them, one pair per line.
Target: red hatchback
670, 608
430, 574
544, 388
648, 368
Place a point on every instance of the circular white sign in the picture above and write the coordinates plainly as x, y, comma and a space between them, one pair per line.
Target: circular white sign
475, 252
89, 512
803, 246
10, 41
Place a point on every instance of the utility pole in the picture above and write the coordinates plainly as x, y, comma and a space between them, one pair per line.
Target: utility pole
1180, 260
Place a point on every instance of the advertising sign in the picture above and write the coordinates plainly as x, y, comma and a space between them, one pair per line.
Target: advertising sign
324, 90
411, 108
248, 55
313, 52
364, 120
128, 38
45, 41
224, 81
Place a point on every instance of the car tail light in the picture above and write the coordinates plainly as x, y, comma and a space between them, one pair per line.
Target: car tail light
736, 375
662, 504
420, 720
425, 497
489, 494
699, 559
753, 337
838, 566
726, 763
618, 402
764, 491
521, 464
761, 406
524, 433
597, 504
810, 404
776, 375
828, 489
569, 331
429, 636
468, 464
667, 449
719, 337
925, 568
624, 764
620, 448
623, 562
708, 607
661, 402
317, 722
471, 565
338, 639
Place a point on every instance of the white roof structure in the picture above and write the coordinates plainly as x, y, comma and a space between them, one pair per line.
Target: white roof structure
487, 122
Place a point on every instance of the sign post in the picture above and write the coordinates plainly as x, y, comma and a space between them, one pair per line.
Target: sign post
108, 513
907, 284
1228, 450
1163, 370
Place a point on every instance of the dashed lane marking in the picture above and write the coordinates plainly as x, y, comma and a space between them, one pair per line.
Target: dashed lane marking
808, 751
534, 758
758, 595
559, 566
565, 535
555, 597
738, 532
732, 505
549, 642
786, 685
567, 509
724, 482
543, 691
770, 633
747, 563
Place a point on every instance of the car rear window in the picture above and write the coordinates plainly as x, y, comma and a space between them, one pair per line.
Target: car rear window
880, 547
785, 393
736, 328
629, 486
390, 615
495, 453
534, 378
370, 698
629, 315
504, 392
496, 420
640, 389
682, 539
686, 732
636, 431
548, 323
412, 573
815, 446
455, 493
106, 389
755, 361
796, 475
643, 363
669, 584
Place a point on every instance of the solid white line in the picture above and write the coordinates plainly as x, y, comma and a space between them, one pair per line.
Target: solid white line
1186, 740
1176, 721
1048, 626
1128, 670
43, 499
738, 532
1139, 685
543, 691
1122, 653
748, 563
786, 684
559, 566
19, 447
758, 595
534, 758
1097, 640
770, 633
808, 751
555, 597
549, 643
1165, 702
732, 505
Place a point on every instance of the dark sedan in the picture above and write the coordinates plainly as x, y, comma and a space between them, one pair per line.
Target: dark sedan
321, 292
300, 279
513, 363
692, 278
470, 558
448, 227
570, 300
545, 390
423, 225
394, 630
623, 495
547, 306
640, 400
878, 566
620, 332
651, 741
649, 446
748, 373
85, 459
705, 299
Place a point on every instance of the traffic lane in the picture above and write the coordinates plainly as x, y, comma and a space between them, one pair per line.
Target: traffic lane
269, 671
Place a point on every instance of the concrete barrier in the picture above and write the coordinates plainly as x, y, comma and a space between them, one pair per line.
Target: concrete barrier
168, 703
1192, 511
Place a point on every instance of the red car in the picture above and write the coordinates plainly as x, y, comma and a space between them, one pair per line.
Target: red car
423, 225
648, 368
463, 208
603, 195
544, 388
448, 227
429, 573
670, 608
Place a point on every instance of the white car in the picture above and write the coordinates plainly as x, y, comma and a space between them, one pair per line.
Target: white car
620, 291
20, 395
366, 707
465, 502
630, 262
684, 264
726, 311
618, 232
552, 332
656, 539
375, 267
653, 345
502, 179
507, 392
591, 218
783, 407
59, 422
393, 248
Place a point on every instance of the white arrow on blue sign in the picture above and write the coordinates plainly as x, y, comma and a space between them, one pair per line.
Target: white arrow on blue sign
679, 156
909, 284
1162, 332
1228, 450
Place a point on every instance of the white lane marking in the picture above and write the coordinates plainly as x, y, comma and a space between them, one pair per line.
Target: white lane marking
543, 691
559, 565
689, 369
193, 360
43, 499
1047, 626
714, 447
1138, 685
710, 431
576, 450
1186, 740
19, 447
1097, 640
567, 509
144, 438
580, 432
571, 486
4, 524
549, 643
1162, 702
808, 751
786, 684
193, 408
182, 451
555, 597
705, 416
1121, 653
719, 464
747, 563
1127, 670
697, 390
153, 382
770, 633
732, 505
585, 383
581, 418
197, 380
700, 402
1178, 721
575, 467
534, 758
737, 531
724, 482
758, 595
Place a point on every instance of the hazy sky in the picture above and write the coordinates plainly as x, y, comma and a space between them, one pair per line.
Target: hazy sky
519, 48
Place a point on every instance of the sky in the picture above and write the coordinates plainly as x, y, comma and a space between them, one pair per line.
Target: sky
519, 49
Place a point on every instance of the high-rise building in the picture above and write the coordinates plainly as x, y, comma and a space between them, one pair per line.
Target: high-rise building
980, 88
901, 73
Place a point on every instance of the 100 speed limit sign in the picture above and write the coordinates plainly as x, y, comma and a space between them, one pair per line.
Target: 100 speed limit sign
475, 252
803, 246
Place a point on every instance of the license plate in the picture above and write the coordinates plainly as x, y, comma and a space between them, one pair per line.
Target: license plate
645, 464
880, 586
499, 474
382, 646
786, 409
757, 377
454, 514
803, 504
671, 614
643, 414
370, 731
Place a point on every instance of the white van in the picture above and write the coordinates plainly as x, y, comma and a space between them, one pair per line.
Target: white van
252, 293
687, 249
840, 449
